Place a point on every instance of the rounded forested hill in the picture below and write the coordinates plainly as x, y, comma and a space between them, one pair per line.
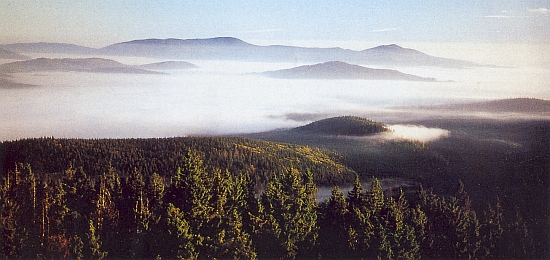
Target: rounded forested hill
343, 125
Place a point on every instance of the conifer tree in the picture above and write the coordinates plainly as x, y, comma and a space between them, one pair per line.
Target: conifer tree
356, 198
289, 212
190, 193
92, 243
333, 227
491, 230
27, 213
452, 229
57, 242
10, 246
179, 241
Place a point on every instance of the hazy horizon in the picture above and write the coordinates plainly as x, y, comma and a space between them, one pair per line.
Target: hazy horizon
479, 31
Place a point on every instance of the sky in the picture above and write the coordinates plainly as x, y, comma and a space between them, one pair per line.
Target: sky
99, 23
502, 32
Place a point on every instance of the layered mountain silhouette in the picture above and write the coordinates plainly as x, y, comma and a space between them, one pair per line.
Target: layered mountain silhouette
10, 55
229, 48
47, 47
85, 65
512, 105
342, 70
168, 65
6, 83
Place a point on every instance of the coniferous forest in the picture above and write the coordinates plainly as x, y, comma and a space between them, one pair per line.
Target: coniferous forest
241, 198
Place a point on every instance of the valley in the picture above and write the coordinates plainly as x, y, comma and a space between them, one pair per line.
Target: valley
438, 135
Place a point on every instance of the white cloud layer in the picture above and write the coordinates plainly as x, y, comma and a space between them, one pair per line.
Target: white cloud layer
542, 10
417, 133
387, 29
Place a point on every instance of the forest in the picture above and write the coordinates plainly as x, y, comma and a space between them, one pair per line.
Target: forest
243, 198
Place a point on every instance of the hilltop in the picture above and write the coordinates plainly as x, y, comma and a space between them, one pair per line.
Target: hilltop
10, 55
342, 70
343, 125
169, 65
47, 47
85, 65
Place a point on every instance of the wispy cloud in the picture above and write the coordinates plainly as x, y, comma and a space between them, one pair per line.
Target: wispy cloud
386, 29
542, 10
505, 14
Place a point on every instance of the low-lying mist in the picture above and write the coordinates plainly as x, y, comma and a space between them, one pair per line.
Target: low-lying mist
416, 133
221, 97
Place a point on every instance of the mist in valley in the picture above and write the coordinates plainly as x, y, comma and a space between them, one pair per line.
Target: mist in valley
226, 97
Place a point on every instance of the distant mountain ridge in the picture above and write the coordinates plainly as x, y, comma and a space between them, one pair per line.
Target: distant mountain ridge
174, 41
8, 84
168, 65
512, 105
10, 55
230, 48
342, 70
66, 64
47, 47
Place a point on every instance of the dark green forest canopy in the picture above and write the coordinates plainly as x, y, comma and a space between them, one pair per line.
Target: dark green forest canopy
96, 198
163, 156
344, 125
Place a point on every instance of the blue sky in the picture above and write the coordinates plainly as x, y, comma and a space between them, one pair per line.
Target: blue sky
98, 23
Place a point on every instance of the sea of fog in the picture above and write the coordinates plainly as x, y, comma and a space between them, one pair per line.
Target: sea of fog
225, 97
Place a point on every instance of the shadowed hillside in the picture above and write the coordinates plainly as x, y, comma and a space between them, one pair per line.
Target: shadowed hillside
6, 83
47, 47
344, 125
514, 105
85, 65
10, 55
342, 70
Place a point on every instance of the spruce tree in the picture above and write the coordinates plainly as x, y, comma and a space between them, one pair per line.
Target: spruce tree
333, 227
289, 215
179, 241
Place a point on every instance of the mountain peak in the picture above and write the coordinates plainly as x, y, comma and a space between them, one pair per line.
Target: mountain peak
389, 47
224, 40
204, 41
341, 70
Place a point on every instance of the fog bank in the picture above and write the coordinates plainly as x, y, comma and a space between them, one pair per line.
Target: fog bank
416, 133
221, 97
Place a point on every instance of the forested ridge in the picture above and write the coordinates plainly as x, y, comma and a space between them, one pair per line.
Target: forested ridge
220, 197
260, 159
